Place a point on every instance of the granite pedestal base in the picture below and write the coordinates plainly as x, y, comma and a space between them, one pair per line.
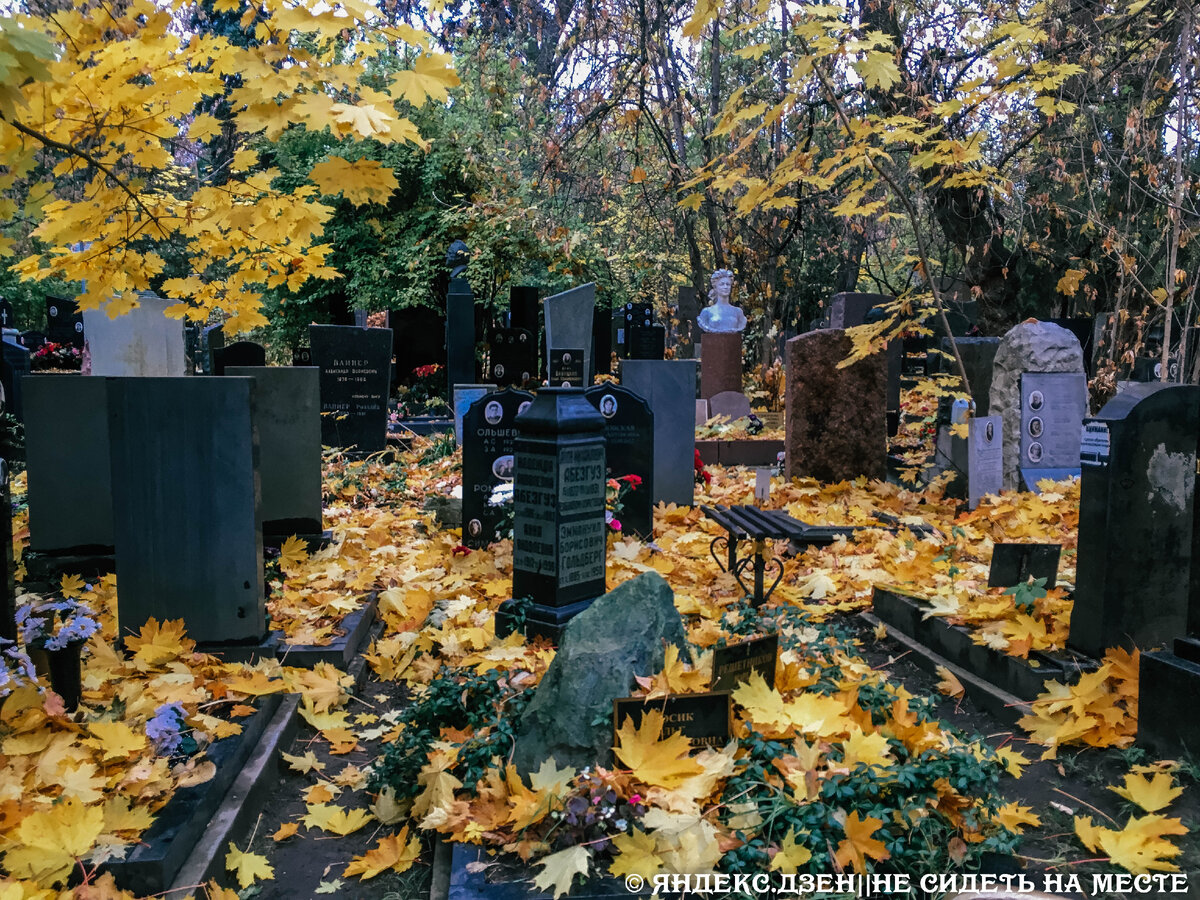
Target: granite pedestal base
1168, 684
720, 363
540, 620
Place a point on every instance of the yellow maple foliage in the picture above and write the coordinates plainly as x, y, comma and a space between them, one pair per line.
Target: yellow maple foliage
396, 852
248, 867
655, 760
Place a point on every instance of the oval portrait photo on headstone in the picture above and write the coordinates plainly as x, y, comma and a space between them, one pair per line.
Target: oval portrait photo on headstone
1035, 427
502, 468
1035, 452
475, 527
608, 406
524, 406
1036, 400
989, 433
493, 412
499, 370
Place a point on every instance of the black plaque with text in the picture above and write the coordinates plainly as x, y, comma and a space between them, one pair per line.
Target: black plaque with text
735, 663
356, 370
704, 719
489, 431
629, 449
647, 342
566, 368
513, 357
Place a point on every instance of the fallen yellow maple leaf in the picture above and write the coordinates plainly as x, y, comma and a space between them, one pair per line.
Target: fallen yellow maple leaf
635, 855
397, 852
1150, 794
859, 844
335, 819
248, 867
663, 763
286, 830
949, 685
791, 855
559, 869
50, 840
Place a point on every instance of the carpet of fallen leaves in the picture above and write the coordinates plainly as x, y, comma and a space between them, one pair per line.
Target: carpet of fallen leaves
77, 790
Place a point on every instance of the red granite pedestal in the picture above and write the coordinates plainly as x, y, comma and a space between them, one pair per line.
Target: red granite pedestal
720, 363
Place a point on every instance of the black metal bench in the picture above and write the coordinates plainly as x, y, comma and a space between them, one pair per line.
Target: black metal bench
749, 523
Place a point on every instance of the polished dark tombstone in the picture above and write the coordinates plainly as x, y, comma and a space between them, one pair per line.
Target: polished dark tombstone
64, 322
559, 531
647, 342
978, 356
523, 305
12, 376
629, 448
239, 353
33, 340
686, 313
186, 505
212, 338
602, 341
8, 318
355, 365
513, 358
631, 316
69, 478
287, 414
1137, 554
566, 368
8, 605
302, 356
849, 309
460, 333
669, 386
1168, 684
418, 339
489, 433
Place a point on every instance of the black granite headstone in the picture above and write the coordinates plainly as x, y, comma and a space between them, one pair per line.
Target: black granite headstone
1014, 564
634, 315
1137, 558
686, 313
559, 531
64, 322
355, 366
523, 307
302, 356
1168, 684
602, 343
8, 318
629, 449
566, 368
489, 432
33, 340
978, 356
647, 342
239, 353
186, 505
8, 606
460, 333
12, 373
513, 357
418, 339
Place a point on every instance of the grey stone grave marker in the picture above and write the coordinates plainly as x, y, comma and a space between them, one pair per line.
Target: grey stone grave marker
287, 414
464, 395
1052, 410
489, 436
567, 368
569, 325
734, 404
186, 505
143, 341
985, 458
355, 366
560, 538
1137, 536
669, 386
629, 449
69, 477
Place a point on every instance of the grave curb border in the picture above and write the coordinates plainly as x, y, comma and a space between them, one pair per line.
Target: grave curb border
341, 651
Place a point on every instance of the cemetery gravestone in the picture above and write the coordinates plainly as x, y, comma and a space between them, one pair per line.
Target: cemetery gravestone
720, 362
418, 339
302, 356
704, 719
64, 322
836, 425
1084, 329
647, 342
212, 338
8, 318
985, 458
734, 404
979, 357
69, 479
463, 395
239, 353
634, 315
513, 358
733, 664
12, 375
1052, 411
629, 449
567, 368
460, 332
489, 443
569, 323
523, 308
355, 367
1137, 537
846, 310
687, 312
602, 341
559, 532
185, 505
32, 340
1029, 347
287, 415
1017, 563
143, 341
669, 387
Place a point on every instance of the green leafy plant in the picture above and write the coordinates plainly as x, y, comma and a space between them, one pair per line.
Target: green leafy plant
1026, 594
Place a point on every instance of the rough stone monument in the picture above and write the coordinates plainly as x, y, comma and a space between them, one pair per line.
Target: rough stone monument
1031, 347
835, 425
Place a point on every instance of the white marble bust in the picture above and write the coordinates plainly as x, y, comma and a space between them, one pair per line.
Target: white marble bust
721, 315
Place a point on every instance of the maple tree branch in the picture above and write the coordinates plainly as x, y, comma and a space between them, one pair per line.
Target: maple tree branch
50, 142
922, 252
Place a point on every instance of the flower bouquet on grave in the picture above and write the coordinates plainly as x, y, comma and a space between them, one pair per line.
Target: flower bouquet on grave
56, 357
502, 499
616, 492
16, 668
423, 396
54, 629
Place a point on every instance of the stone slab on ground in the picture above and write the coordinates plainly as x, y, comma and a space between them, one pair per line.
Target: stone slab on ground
153, 864
341, 650
240, 806
510, 879
1167, 689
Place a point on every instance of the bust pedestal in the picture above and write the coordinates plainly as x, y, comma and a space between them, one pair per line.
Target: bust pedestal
720, 362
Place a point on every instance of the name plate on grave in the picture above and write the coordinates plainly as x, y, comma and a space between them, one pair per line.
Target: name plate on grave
566, 368
734, 664
1094, 444
1052, 409
545, 543
704, 719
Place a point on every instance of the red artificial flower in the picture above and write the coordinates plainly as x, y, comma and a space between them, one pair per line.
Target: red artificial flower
634, 481
699, 462
461, 550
